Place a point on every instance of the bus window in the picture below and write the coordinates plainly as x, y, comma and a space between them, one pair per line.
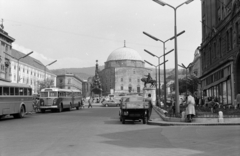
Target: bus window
44, 94
11, 91
16, 91
20, 91
1, 91
53, 94
29, 91
69, 94
25, 91
6, 90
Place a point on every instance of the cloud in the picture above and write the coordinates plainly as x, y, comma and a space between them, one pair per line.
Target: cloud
66, 62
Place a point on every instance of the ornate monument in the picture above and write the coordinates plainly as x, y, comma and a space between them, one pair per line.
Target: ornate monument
96, 86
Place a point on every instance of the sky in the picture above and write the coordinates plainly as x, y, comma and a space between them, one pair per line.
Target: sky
76, 33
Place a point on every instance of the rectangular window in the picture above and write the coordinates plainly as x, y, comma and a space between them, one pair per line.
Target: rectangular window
229, 92
220, 47
237, 33
121, 87
121, 79
21, 91
0, 90
25, 91
16, 91
130, 79
11, 91
6, 90
224, 93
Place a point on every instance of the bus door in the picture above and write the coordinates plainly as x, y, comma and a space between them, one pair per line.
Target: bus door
73, 95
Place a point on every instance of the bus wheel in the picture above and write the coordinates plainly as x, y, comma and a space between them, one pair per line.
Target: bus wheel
60, 108
21, 114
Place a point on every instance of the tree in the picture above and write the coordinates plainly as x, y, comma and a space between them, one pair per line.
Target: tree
47, 83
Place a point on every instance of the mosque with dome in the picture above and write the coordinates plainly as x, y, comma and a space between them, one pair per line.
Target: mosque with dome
123, 71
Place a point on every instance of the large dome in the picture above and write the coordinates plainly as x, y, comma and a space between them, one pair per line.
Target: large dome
124, 54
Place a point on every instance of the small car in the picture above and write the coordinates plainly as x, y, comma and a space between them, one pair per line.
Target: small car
111, 103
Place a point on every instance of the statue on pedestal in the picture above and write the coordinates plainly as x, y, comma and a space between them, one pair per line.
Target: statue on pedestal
149, 79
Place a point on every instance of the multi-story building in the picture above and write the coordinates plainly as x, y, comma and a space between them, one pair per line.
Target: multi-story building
220, 49
70, 81
5, 53
30, 71
123, 71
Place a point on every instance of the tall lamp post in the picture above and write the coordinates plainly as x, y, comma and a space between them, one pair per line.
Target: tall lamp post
186, 68
176, 52
156, 68
18, 63
45, 66
164, 42
159, 67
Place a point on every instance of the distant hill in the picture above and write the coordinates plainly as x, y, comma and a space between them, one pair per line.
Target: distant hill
85, 73
82, 73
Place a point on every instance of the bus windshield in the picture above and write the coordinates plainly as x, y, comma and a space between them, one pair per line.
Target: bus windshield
53, 94
44, 94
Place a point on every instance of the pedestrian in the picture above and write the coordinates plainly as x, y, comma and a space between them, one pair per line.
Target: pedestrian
89, 103
150, 106
190, 109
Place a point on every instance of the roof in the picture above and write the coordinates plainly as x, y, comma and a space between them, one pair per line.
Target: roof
10, 84
29, 60
124, 53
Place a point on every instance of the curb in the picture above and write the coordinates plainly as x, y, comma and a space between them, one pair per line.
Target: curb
190, 124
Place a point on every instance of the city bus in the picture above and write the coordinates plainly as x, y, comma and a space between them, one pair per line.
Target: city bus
59, 99
15, 99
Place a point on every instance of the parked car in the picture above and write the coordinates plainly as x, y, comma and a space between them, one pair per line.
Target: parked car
111, 103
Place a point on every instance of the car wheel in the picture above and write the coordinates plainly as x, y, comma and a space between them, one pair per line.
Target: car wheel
106, 105
123, 121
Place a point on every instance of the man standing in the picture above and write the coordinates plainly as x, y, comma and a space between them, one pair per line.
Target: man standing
150, 106
190, 109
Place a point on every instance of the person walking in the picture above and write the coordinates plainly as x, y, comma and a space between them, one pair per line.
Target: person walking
190, 109
150, 106
89, 103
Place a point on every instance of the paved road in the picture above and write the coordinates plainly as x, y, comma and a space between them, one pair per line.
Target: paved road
98, 132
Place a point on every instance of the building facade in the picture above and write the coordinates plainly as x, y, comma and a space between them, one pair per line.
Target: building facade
5, 53
30, 71
220, 49
70, 81
123, 71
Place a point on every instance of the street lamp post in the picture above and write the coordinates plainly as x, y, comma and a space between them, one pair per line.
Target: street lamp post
159, 70
18, 63
45, 67
176, 52
156, 68
164, 42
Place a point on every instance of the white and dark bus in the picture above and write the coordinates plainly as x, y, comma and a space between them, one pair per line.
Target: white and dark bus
15, 99
59, 99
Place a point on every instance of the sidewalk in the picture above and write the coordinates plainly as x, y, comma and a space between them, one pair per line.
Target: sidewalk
157, 120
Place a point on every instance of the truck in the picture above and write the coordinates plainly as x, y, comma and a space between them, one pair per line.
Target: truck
133, 108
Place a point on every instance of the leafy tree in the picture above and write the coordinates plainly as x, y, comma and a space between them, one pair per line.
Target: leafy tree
47, 83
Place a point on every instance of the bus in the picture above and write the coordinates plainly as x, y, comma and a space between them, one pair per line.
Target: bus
56, 99
15, 99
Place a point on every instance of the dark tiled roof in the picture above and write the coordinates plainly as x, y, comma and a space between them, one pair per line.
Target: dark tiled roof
29, 60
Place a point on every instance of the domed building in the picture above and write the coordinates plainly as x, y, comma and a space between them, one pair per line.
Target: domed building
123, 71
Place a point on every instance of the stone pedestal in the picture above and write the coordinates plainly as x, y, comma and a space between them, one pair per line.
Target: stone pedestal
152, 91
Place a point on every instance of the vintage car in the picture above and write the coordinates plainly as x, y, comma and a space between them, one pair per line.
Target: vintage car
111, 103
